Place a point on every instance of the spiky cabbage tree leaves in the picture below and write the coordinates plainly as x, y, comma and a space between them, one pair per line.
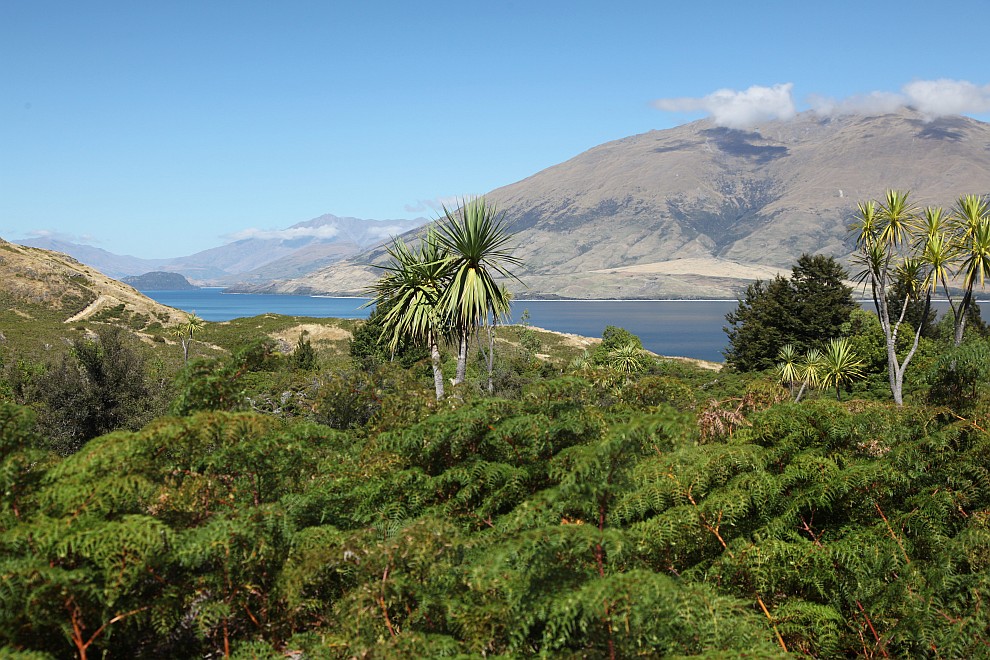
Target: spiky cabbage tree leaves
185, 332
918, 252
839, 364
478, 240
787, 368
970, 222
446, 287
367, 348
884, 251
411, 290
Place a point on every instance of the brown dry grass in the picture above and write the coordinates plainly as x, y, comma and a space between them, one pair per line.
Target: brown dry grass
316, 333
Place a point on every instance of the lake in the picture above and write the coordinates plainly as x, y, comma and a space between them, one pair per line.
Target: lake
689, 328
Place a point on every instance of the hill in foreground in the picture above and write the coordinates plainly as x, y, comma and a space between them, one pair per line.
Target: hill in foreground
34, 281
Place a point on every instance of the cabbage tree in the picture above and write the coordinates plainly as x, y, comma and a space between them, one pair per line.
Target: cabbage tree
477, 240
411, 289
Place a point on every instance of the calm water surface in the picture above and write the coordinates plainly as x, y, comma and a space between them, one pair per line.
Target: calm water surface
691, 328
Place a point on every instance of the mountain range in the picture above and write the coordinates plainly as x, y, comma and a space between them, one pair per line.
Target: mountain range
695, 211
699, 211
259, 256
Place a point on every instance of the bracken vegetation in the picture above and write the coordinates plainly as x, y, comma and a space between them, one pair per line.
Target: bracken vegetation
293, 497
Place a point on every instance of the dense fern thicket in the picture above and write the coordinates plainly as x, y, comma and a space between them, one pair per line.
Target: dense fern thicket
304, 497
579, 517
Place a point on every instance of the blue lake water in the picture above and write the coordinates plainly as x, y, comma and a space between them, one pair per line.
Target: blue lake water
690, 328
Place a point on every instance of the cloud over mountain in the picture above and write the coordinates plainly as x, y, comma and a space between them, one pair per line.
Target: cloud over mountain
745, 109
291, 233
733, 109
947, 97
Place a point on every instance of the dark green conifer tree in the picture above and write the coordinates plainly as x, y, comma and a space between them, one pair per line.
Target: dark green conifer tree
804, 310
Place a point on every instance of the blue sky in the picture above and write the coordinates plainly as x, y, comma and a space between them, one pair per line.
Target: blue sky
161, 129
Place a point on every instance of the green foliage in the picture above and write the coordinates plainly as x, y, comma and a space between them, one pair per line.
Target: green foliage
975, 326
528, 338
959, 378
221, 384
256, 355
565, 521
303, 356
650, 391
21, 463
367, 348
208, 385
801, 310
347, 399
613, 339
839, 364
100, 385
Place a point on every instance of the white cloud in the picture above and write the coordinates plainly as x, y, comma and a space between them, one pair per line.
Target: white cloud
745, 109
735, 109
285, 234
932, 98
936, 98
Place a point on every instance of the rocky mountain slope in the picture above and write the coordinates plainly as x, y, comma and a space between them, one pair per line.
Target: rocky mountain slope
699, 210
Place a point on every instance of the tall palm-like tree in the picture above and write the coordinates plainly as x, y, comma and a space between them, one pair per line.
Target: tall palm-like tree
882, 237
897, 215
807, 370
971, 219
812, 370
411, 289
477, 238
935, 247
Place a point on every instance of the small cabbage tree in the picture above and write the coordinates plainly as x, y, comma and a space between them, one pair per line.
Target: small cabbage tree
839, 364
807, 371
184, 333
